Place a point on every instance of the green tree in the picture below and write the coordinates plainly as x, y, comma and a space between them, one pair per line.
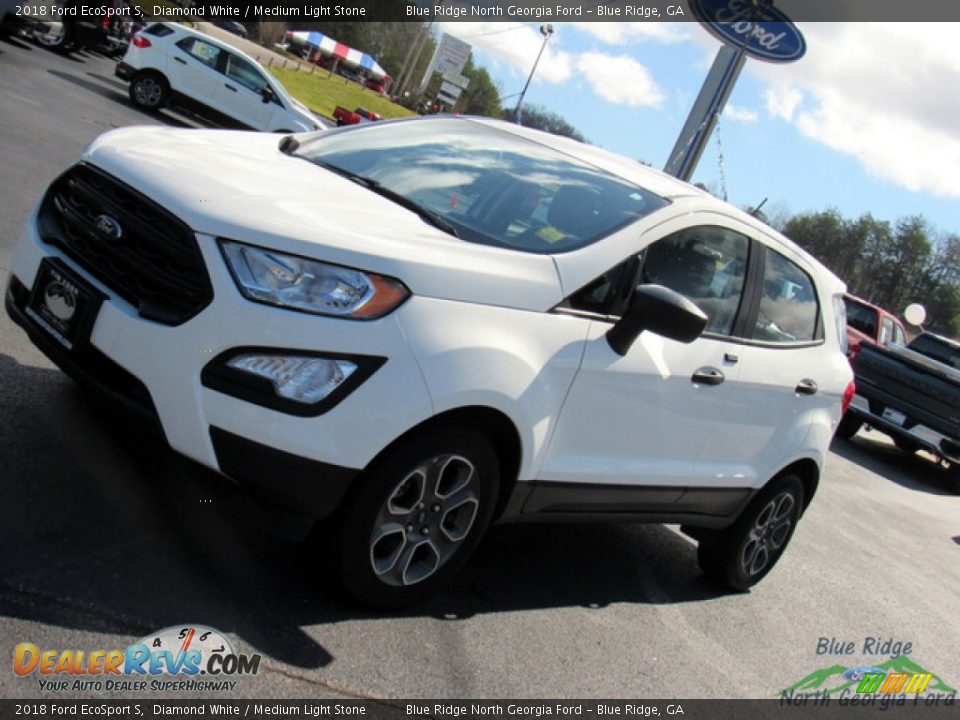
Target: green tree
482, 96
539, 118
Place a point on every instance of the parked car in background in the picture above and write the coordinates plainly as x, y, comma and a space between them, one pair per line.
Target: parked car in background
171, 63
376, 85
354, 117
912, 394
231, 26
867, 323
419, 327
10, 20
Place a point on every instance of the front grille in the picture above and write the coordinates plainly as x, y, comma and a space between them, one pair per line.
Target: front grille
154, 264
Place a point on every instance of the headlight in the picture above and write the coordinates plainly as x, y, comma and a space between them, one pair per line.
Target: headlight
312, 286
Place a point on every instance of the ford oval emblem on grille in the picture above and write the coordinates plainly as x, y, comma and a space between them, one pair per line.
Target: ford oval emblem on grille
108, 228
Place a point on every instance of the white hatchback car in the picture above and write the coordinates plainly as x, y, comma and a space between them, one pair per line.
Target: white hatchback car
420, 327
170, 63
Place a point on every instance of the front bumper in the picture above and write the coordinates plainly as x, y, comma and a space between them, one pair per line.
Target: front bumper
154, 370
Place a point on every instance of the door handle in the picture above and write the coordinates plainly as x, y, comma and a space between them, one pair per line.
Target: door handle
228, 86
806, 387
708, 376
180, 60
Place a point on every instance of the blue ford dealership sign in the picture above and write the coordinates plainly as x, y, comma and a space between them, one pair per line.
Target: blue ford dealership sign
762, 31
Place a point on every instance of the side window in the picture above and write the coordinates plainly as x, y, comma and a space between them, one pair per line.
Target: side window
898, 336
788, 306
861, 317
245, 73
886, 331
200, 50
706, 264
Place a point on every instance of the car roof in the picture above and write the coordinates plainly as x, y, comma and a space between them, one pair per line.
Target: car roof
654, 180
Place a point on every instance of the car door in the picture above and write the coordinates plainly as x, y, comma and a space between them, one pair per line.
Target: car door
787, 381
193, 69
645, 420
240, 94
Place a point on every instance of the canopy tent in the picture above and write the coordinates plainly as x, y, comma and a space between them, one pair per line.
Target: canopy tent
349, 56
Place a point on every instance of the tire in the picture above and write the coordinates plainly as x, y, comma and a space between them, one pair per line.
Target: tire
149, 91
417, 515
58, 42
742, 555
953, 478
848, 426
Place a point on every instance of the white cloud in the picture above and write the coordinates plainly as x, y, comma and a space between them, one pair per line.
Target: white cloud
882, 93
734, 112
515, 45
620, 79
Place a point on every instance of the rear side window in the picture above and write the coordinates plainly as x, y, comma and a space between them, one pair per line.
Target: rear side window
158, 30
705, 264
201, 50
861, 317
788, 307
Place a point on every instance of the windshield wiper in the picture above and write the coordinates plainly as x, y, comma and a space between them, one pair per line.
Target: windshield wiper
426, 215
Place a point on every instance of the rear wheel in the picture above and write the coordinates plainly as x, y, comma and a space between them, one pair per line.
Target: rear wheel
149, 91
417, 515
742, 555
953, 478
849, 426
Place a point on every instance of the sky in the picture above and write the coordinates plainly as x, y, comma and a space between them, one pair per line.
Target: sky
866, 122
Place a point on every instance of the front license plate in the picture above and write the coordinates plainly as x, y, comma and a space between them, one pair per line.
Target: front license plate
894, 416
63, 304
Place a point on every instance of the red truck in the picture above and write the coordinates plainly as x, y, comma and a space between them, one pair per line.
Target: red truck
346, 117
870, 324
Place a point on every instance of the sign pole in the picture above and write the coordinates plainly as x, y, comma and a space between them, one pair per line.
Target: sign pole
705, 112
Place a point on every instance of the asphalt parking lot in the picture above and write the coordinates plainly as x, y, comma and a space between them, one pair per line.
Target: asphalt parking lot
106, 536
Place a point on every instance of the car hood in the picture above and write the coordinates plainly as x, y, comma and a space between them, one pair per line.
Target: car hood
238, 185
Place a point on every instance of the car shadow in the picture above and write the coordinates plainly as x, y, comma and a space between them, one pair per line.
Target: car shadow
107, 88
105, 529
914, 471
16, 42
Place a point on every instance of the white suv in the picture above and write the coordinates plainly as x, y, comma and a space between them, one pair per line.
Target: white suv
172, 63
423, 326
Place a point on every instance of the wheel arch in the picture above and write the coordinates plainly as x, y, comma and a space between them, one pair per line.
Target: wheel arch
808, 471
500, 429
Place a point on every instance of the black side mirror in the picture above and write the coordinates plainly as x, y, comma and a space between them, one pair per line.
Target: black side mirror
267, 94
660, 310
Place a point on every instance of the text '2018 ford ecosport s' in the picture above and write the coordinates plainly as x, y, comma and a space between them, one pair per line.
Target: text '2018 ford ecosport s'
420, 327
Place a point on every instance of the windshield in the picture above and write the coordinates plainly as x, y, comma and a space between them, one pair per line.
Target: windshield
934, 348
491, 186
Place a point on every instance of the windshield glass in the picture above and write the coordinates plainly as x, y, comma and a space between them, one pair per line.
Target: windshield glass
491, 186
938, 350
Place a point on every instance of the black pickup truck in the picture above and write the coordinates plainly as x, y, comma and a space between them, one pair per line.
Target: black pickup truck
912, 394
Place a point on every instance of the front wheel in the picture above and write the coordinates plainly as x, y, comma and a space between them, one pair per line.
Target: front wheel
417, 515
742, 555
149, 91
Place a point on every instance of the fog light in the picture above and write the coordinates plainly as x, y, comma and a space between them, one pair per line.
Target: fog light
304, 379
